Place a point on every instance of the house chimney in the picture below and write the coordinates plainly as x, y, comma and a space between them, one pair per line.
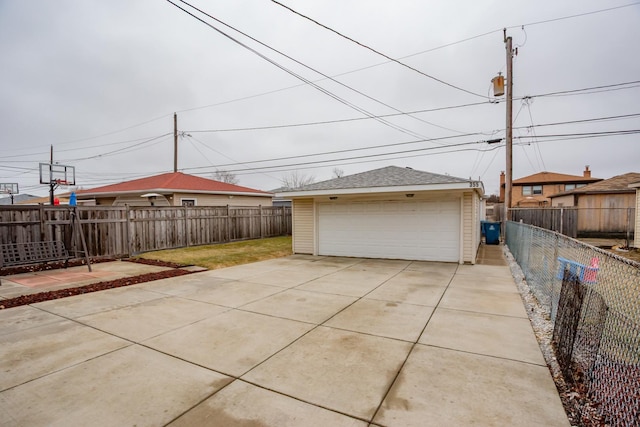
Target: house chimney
502, 186
587, 172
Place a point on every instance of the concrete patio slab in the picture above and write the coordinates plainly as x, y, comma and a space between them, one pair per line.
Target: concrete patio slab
400, 291
340, 284
383, 263
447, 268
477, 300
304, 306
233, 294
487, 283
25, 317
189, 284
383, 318
242, 404
49, 348
287, 278
232, 342
239, 272
332, 369
149, 319
484, 271
11, 290
416, 277
205, 359
480, 333
441, 387
131, 386
82, 305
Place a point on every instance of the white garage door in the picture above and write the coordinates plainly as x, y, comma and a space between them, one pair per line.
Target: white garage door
416, 230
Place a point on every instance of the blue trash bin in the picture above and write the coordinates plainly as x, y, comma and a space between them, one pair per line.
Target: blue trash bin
492, 233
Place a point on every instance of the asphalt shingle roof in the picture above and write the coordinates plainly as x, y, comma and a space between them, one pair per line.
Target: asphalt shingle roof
617, 184
390, 176
553, 177
174, 181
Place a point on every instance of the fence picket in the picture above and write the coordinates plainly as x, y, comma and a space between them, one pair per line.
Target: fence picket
125, 231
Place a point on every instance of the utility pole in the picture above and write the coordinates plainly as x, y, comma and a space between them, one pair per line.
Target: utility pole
509, 128
175, 142
52, 186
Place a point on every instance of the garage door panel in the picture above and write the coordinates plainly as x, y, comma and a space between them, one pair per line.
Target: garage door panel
424, 230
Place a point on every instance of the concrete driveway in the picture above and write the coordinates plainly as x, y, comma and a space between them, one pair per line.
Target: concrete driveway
297, 341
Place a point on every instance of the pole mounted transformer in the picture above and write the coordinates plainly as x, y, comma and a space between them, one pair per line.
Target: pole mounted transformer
498, 85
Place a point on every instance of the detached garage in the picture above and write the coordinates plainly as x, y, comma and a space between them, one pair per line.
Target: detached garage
393, 212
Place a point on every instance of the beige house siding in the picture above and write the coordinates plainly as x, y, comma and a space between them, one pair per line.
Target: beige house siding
636, 234
470, 227
303, 226
222, 200
563, 201
176, 200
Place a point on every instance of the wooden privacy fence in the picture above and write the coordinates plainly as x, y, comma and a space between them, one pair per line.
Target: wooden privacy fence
125, 231
562, 220
580, 222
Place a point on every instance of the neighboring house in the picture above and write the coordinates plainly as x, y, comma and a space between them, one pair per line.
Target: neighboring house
392, 212
636, 242
17, 199
279, 201
63, 199
605, 207
534, 190
173, 189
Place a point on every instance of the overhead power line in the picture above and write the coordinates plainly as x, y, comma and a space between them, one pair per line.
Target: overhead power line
289, 71
377, 51
577, 15
325, 76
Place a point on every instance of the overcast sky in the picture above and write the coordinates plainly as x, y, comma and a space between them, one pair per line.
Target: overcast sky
100, 81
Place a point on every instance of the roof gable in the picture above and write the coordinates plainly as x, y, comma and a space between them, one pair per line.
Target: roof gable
553, 177
173, 182
390, 176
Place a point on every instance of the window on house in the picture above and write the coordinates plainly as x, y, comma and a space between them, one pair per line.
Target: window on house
188, 203
569, 187
528, 190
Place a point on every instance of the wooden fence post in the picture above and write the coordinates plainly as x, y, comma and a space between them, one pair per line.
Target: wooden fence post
261, 225
187, 226
228, 223
42, 235
128, 234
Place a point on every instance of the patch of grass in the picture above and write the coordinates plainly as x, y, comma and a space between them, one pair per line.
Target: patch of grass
225, 254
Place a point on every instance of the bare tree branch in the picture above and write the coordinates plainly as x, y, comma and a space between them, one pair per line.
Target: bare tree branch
224, 176
296, 179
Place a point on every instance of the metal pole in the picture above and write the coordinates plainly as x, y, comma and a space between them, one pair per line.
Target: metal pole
51, 184
175, 142
509, 130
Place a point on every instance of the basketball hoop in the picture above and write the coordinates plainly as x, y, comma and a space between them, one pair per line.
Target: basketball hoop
62, 182
9, 188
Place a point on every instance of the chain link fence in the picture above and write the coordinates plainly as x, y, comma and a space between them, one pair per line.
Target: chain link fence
592, 298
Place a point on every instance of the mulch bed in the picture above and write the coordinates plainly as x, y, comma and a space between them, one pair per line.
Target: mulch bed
111, 284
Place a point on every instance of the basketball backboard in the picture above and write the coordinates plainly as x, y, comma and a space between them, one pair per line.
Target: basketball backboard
57, 174
9, 188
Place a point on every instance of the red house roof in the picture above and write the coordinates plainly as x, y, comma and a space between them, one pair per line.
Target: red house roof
553, 178
173, 182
